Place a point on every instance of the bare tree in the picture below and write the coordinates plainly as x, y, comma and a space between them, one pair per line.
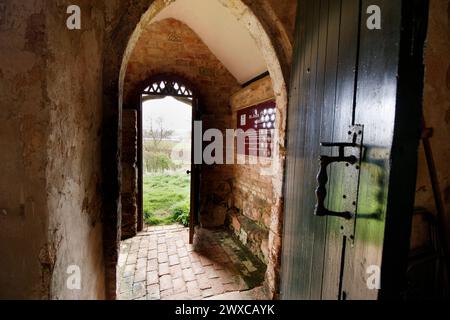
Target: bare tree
159, 133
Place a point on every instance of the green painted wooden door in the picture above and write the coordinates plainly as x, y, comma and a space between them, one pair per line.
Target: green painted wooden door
357, 74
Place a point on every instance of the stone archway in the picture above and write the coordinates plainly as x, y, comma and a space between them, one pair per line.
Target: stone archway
275, 47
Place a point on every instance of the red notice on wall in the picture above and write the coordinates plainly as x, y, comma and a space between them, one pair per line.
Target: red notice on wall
258, 122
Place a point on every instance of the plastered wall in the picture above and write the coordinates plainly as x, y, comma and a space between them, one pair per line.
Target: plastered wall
74, 98
24, 122
436, 113
51, 115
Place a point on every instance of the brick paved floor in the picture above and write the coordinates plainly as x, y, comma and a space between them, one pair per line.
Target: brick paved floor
161, 264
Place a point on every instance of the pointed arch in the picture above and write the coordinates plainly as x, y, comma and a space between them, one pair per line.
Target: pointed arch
264, 28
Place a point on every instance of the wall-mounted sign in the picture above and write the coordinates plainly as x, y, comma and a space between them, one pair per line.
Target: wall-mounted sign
258, 122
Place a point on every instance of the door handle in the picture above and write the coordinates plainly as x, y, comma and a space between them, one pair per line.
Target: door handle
188, 172
322, 179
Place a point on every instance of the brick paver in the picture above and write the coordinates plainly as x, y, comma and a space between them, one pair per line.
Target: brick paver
160, 264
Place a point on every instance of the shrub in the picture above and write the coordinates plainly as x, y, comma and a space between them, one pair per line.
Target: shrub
166, 199
181, 213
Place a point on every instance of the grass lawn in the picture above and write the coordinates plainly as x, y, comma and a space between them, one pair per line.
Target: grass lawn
166, 198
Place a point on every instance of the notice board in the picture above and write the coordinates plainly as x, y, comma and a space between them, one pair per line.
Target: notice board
259, 124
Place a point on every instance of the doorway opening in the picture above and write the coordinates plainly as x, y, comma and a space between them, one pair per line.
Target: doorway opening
167, 176
170, 44
166, 146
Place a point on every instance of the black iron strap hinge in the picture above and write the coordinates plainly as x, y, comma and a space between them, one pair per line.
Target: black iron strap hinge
352, 161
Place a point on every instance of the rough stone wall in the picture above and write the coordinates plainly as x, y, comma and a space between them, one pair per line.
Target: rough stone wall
129, 173
257, 221
437, 109
171, 47
253, 195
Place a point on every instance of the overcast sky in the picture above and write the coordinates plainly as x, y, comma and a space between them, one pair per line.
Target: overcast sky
176, 115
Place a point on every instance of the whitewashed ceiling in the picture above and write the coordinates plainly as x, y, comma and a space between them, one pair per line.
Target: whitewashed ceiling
225, 36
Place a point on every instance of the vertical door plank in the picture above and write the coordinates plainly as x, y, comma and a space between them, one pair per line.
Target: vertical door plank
298, 246
389, 104
376, 96
342, 118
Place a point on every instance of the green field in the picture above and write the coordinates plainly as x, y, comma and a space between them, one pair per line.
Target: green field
166, 198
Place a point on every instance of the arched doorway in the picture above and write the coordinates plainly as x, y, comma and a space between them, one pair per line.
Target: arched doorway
160, 87
276, 65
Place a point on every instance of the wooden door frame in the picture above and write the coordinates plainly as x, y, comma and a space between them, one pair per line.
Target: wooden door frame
195, 183
405, 145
